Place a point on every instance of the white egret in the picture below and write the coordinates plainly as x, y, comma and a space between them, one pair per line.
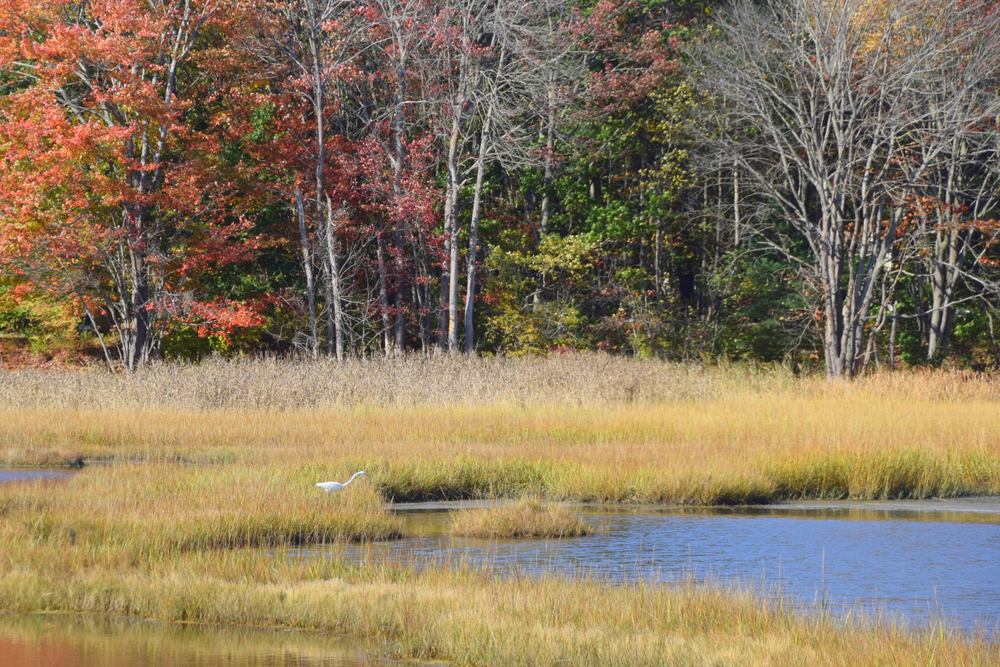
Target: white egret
330, 487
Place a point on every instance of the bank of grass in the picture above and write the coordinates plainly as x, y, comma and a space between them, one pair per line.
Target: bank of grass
471, 618
587, 428
180, 543
528, 518
158, 509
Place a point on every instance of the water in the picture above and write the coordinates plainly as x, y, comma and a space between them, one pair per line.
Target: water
68, 641
28, 474
913, 568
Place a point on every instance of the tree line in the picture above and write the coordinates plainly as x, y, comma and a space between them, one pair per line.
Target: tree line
808, 181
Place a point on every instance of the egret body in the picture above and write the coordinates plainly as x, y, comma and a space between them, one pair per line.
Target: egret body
331, 487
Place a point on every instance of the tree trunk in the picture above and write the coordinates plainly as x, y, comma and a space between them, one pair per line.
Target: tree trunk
550, 127
335, 282
892, 339
451, 231
399, 168
470, 285
833, 313
138, 352
944, 276
737, 227
383, 297
300, 214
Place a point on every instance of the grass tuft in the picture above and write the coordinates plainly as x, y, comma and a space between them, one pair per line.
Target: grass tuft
530, 518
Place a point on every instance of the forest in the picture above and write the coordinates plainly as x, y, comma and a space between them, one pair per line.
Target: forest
807, 182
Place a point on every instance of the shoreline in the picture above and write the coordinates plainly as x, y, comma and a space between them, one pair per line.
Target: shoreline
959, 505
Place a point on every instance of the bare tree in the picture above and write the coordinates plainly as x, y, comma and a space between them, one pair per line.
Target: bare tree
514, 86
461, 25
816, 100
953, 163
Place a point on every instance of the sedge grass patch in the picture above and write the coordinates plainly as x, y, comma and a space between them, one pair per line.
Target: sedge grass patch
529, 518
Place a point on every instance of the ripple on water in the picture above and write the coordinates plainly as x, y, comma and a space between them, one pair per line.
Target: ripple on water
910, 570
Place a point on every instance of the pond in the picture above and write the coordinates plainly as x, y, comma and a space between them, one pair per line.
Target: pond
71, 641
912, 567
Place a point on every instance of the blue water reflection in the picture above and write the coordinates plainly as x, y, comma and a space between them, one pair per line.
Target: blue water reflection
907, 569
28, 474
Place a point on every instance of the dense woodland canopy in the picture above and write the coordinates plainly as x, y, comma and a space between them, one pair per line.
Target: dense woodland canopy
808, 181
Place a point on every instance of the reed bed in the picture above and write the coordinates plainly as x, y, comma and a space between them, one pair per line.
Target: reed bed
739, 448
289, 384
212, 468
528, 518
471, 618
155, 510
568, 380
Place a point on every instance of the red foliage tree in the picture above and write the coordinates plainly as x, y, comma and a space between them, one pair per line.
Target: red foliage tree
114, 192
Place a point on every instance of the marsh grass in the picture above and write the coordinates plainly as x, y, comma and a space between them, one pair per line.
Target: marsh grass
289, 384
180, 543
740, 448
160, 509
472, 618
214, 466
528, 518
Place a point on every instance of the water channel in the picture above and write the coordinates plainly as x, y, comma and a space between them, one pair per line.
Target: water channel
913, 567
911, 563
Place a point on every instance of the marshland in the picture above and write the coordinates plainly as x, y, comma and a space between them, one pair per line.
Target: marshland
491, 332
621, 510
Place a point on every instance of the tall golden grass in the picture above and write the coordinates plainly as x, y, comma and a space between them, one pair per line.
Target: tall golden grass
528, 518
588, 428
573, 380
155, 510
213, 463
274, 384
471, 618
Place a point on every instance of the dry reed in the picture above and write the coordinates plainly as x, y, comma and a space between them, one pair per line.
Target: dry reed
157, 537
906, 436
529, 518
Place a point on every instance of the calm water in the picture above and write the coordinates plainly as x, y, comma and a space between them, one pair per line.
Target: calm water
67, 641
912, 567
27, 474
909, 567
